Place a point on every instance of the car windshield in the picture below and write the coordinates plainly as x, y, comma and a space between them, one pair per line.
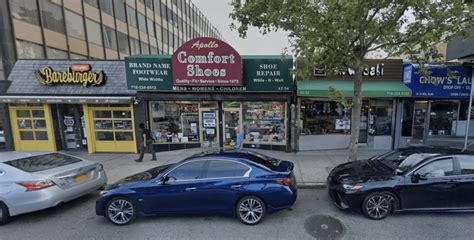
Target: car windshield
411, 161
43, 162
393, 158
146, 175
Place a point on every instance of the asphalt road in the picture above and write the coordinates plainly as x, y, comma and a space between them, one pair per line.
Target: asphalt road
76, 220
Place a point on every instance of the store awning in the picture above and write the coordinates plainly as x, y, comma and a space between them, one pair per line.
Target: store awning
320, 88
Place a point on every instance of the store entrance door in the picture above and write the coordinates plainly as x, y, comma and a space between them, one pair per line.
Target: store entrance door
232, 116
209, 128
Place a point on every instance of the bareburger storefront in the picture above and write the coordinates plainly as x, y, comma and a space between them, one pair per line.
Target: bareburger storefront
199, 95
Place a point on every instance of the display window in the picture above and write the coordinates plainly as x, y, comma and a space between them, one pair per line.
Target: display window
325, 117
264, 122
174, 122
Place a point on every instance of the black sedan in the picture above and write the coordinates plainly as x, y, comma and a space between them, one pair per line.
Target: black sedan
411, 179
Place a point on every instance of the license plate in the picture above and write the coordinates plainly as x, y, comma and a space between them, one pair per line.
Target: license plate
80, 178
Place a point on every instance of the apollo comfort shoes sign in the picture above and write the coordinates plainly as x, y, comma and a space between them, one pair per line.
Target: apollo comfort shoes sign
206, 62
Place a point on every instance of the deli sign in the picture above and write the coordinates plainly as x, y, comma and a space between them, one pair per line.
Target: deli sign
80, 74
206, 62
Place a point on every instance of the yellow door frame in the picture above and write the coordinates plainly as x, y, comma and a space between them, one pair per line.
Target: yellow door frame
90, 127
33, 145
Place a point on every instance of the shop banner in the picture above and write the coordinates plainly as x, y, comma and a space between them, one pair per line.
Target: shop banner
261, 74
148, 73
207, 62
442, 82
271, 74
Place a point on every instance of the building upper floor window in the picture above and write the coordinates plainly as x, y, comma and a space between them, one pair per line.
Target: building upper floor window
110, 38
75, 25
132, 16
134, 46
92, 3
149, 4
141, 22
151, 28
52, 16
106, 6
25, 10
29, 50
54, 53
119, 6
94, 32
123, 43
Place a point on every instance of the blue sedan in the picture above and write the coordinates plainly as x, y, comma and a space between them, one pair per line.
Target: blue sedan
247, 185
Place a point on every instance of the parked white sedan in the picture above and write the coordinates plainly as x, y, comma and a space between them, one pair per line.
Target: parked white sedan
31, 181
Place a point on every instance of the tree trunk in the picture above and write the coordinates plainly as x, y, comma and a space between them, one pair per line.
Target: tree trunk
356, 109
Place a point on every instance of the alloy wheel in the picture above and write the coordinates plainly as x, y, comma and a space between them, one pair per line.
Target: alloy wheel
120, 211
251, 210
378, 206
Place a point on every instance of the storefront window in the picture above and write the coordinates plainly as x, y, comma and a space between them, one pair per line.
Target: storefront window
380, 117
324, 117
264, 122
441, 117
175, 121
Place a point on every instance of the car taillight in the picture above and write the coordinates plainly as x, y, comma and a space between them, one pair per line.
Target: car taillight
35, 186
284, 182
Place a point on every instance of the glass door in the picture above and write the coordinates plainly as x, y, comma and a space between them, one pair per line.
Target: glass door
420, 119
231, 119
209, 127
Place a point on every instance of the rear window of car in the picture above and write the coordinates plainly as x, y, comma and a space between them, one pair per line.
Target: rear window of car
268, 162
42, 162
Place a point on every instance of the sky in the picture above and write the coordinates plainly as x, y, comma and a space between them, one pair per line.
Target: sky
217, 11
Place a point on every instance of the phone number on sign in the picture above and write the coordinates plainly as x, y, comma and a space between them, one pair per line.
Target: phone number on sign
140, 87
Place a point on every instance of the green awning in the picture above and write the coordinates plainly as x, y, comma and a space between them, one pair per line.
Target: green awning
320, 88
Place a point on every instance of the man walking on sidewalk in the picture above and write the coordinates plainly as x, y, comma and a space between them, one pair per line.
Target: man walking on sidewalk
147, 143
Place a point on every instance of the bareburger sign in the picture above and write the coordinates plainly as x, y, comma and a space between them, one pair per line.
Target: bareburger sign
206, 62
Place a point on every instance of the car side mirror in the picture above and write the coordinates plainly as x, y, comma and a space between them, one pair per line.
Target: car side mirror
417, 177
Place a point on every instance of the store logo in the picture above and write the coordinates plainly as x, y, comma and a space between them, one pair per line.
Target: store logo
206, 62
75, 74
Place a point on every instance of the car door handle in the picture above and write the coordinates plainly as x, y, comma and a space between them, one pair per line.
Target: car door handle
191, 189
236, 186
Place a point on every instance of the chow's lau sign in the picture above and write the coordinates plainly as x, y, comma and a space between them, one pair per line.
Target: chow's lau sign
206, 62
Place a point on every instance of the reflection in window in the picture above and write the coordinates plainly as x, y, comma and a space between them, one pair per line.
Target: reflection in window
151, 29
23, 113
29, 50
110, 39
122, 114
24, 10
102, 114
38, 113
39, 124
103, 124
119, 6
94, 32
380, 117
141, 22
106, 6
41, 135
134, 46
26, 135
52, 16
324, 117
24, 124
132, 16
264, 122
123, 136
92, 2
54, 53
123, 43
175, 122
104, 136
122, 124
145, 48
75, 25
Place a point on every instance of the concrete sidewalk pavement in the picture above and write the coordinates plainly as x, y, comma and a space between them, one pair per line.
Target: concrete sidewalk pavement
311, 167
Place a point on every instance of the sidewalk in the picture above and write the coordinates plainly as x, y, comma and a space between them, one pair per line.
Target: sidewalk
311, 167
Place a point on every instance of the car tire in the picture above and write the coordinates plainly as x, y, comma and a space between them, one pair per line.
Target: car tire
378, 205
250, 210
4, 214
120, 211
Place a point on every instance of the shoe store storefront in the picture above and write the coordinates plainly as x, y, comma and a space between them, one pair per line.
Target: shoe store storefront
70, 105
205, 92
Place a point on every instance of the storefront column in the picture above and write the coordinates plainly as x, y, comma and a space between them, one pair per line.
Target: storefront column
398, 123
7, 128
220, 113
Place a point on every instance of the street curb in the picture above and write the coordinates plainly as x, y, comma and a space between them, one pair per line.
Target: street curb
312, 185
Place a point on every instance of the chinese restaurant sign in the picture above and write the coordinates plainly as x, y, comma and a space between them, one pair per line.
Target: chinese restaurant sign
149, 73
442, 82
206, 62
80, 74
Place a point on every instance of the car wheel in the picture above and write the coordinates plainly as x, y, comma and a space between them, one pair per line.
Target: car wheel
250, 210
4, 214
120, 211
378, 205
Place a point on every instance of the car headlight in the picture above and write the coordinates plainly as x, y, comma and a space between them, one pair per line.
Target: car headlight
351, 187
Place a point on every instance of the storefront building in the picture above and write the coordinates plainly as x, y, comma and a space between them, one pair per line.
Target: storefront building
70, 105
198, 96
437, 113
326, 124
